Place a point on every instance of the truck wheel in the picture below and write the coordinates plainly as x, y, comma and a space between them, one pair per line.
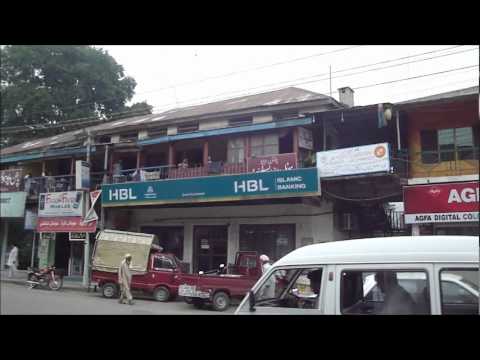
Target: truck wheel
198, 303
221, 301
161, 294
109, 290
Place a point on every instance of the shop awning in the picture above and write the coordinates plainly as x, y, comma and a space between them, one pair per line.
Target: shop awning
228, 131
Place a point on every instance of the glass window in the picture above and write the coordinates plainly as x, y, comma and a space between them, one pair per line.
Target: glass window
162, 262
459, 291
446, 142
386, 292
464, 143
291, 288
236, 151
429, 145
264, 144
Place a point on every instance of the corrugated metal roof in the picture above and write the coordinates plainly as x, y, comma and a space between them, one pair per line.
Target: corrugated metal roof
257, 102
442, 96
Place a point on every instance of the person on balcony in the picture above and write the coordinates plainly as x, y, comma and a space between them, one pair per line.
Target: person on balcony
183, 164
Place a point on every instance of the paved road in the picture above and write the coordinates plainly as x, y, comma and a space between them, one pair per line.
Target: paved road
18, 299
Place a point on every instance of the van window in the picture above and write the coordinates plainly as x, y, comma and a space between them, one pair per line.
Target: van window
291, 288
459, 291
387, 292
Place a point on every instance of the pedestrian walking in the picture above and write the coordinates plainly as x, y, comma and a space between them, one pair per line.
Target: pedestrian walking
125, 280
269, 287
12, 261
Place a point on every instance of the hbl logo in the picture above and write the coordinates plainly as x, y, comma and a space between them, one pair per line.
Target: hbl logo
121, 194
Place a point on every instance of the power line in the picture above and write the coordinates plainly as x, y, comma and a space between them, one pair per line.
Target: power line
266, 66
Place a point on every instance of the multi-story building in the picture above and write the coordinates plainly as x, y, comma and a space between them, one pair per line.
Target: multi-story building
442, 196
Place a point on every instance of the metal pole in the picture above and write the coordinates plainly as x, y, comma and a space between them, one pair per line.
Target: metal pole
399, 146
32, 261
86, 256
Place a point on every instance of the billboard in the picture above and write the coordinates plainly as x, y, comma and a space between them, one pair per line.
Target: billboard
441, 203
354, 161
65, 224
12, 204
272, 162
11, 180
68, 203
82, 175
271, 184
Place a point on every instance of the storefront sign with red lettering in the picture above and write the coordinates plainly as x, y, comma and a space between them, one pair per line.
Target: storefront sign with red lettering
272, 162
442, 203
65, 224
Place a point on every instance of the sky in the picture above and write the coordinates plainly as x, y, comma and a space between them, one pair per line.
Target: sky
177, 76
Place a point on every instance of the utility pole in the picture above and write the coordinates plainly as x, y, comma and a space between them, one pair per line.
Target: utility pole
86, 252
105, 180
330, 67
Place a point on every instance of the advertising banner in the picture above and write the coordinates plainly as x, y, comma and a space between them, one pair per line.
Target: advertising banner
12, 204
65, 224
91, 214
305, 138
354, 161
30, 220
11, 180
441, 203
68, 203
271, 184
272, 162
82, 175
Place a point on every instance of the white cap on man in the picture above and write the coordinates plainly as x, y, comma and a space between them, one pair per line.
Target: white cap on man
264, 258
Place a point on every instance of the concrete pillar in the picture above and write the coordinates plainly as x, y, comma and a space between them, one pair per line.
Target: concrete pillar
205, 153
233, 241
171, 154
188, 244
295, 142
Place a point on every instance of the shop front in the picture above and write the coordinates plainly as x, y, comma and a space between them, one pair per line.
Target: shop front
443, 208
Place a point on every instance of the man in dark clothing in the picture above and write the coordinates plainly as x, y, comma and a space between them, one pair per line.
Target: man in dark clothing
397, 301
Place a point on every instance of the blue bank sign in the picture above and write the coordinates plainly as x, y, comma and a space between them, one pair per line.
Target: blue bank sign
288, 183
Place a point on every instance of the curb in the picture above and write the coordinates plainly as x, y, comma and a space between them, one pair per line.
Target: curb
68, 286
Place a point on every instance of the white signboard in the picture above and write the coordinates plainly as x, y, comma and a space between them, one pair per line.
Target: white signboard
305, 138
354, 161
426, 218
77, 236
82, 175
68, 203
12, 204
30, 220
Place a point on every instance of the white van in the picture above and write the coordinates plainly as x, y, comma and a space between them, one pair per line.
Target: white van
391, 275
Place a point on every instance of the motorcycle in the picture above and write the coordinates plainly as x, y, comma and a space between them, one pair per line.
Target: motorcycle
49, 277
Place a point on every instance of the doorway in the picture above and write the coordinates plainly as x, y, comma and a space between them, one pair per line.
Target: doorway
62, 251
76, 258
210, 247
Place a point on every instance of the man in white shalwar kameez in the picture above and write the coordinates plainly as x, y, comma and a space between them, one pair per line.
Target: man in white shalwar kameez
125, 280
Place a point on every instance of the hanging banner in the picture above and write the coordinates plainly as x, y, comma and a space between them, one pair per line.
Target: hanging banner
82, 175
30, 220
12, 204
92, 214
68, 203
272, 162
65, 224
11, 180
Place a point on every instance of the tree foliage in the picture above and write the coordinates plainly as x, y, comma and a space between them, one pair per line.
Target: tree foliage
48, 84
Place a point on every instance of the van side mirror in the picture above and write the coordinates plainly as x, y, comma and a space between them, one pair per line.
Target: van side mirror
251, 300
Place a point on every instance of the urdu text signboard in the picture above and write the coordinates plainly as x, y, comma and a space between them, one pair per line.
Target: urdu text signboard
354, 161
271, 184
272, 162
65, 224
12, 204
441, 203
68, 203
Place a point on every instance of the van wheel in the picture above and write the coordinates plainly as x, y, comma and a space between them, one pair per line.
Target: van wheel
110, 290
221, 301
198, 303
161, 294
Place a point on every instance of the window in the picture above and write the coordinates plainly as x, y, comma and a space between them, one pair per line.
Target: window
459, 291
449, 144
162, 262
285, 115
291, 288
131, 136
236, 151
264, 144
387, 292
240, 121
188, 127
157, 132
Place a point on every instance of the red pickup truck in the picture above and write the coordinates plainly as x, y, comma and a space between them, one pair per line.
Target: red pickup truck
220, 287
153, 272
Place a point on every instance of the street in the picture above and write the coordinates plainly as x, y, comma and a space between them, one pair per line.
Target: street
17, 299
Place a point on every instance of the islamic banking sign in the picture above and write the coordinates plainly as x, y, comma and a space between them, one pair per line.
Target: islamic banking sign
442, 203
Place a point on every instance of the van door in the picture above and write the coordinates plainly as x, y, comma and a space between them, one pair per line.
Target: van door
162, 270
457, 289
292, 290
387, 289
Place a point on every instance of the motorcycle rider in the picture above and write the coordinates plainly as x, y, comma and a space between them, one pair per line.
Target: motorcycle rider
125, 280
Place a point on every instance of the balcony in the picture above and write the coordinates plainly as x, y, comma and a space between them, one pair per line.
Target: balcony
42, 184
452, 162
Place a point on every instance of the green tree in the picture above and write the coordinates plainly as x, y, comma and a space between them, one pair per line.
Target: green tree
48, 84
